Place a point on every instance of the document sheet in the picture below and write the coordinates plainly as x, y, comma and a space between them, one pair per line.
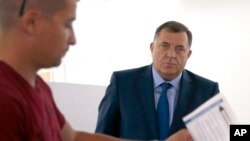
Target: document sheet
210, 121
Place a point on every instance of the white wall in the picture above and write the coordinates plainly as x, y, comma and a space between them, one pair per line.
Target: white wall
115, 34
79, 103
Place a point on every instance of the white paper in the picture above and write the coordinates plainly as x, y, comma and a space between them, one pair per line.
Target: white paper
210, 121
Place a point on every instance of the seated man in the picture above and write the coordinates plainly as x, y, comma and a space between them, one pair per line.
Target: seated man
149, 102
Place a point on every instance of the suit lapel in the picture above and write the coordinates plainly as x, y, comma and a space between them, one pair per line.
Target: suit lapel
146, 96
182, 102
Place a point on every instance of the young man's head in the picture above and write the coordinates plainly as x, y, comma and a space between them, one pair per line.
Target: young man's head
41, 29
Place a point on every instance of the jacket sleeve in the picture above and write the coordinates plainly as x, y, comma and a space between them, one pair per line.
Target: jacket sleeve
108, 121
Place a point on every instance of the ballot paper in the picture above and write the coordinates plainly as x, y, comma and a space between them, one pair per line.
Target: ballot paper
210, 121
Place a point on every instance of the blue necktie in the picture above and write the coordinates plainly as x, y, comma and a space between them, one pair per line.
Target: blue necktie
163, 112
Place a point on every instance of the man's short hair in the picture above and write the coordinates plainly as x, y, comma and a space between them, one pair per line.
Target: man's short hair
174, 26
11, 10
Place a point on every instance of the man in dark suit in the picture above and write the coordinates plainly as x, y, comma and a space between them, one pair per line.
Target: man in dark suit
129, 108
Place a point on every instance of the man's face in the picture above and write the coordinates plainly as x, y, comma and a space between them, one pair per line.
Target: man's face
56, 35
170, 52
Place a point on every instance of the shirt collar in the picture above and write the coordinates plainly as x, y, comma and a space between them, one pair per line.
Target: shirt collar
158, 80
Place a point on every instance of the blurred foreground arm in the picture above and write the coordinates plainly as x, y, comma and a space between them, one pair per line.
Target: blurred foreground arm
182, 135
68, 134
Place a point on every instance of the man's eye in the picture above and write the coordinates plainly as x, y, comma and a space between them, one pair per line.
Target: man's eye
180, 48
164, 45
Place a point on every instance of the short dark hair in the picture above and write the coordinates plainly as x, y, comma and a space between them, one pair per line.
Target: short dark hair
11, 10
174, 26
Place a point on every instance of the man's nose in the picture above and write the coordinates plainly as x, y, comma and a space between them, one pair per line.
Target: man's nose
171, 52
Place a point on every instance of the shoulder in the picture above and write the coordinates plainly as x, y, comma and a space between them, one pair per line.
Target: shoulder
188, 75
11, 100
134, 71
132, 75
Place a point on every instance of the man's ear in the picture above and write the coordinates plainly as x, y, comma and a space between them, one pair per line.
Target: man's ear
152, 47
31, 21
189, 53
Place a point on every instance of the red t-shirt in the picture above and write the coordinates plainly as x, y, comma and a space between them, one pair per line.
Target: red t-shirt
26, 113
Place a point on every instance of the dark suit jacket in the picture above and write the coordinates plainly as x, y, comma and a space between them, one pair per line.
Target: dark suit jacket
128, 107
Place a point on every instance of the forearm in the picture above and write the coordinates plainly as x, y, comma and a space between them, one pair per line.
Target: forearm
69, 134
83, 136
181, 135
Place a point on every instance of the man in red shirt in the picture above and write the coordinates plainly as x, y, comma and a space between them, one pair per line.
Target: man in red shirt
36, 34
